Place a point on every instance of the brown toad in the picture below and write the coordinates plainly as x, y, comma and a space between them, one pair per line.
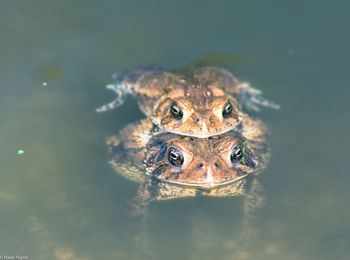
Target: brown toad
199, 102
172, 166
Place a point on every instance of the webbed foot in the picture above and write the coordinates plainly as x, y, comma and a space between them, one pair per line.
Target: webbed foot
121, 90
252, 100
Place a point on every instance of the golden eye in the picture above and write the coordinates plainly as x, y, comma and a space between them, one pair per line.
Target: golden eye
175, 157
227, 111
176, 111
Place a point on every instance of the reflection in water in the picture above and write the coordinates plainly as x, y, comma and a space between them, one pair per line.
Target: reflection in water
48, 244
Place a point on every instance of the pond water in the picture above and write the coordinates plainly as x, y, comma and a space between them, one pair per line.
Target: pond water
61, 200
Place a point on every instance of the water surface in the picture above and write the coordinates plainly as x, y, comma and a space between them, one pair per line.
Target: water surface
61, 200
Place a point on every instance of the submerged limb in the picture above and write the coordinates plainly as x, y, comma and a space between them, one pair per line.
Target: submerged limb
252, 207
137, 206
254, 200
251, 98
122, 90
137, 232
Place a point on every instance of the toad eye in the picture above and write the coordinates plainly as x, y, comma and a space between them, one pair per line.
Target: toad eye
176, 111
175, 157
237, 153
227, 111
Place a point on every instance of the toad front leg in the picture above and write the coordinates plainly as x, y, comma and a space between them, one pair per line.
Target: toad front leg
127, 82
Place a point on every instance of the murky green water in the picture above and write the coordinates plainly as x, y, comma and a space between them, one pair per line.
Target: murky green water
61, 200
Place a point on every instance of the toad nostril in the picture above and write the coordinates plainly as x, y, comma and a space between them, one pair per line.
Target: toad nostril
197, 120
216, 165
211, 120
200, 165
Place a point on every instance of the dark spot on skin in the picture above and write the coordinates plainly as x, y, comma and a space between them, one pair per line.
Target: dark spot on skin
211, 120
210, 137
216, 165
250, 164
166, 90
155, 128
248, 160
197, 120
159, 170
